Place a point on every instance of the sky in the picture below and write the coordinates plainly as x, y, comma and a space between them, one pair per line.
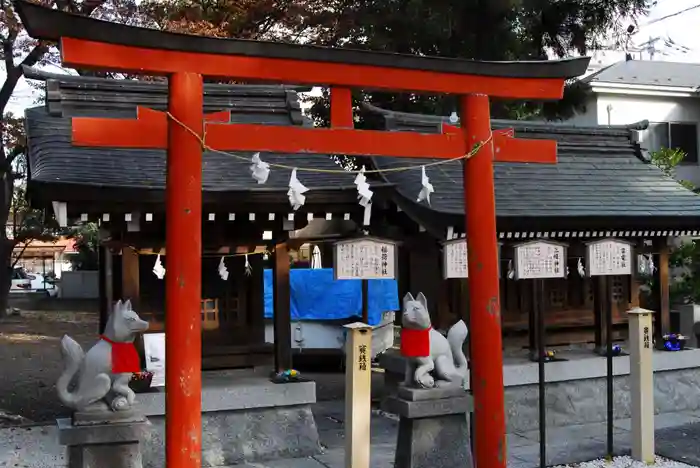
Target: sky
667, 20
683, 46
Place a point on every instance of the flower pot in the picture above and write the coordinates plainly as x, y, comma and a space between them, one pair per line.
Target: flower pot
141, 382
674, 342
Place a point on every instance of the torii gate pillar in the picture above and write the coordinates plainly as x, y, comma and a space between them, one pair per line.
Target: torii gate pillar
486, 380
183, 286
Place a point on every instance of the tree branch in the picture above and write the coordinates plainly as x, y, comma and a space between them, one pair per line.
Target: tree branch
26, 234
15, 73
14, 154
19, 256
7, 46
89, 6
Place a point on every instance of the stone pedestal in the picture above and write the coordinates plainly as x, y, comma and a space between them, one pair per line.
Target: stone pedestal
245, 419
433, 427
113, 445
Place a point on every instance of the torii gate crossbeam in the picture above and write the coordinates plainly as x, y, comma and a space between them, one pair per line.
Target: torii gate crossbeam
88, 43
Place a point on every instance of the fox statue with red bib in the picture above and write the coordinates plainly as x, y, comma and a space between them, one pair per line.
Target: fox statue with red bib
103, 374
433, 360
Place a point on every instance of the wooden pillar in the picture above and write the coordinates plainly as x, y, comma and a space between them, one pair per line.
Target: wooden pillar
131, 281
256, 300
484, 298
528, 304
443, 316
282, 315
663, 322
183, 280
105, 279
425, 274
635, 285
599, 307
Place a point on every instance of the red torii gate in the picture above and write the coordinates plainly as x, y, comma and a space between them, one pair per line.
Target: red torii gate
92, 44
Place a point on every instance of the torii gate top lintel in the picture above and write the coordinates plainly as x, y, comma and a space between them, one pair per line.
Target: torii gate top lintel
89, 43
92, 43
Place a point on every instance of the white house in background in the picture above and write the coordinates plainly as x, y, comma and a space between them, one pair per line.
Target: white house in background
667, 94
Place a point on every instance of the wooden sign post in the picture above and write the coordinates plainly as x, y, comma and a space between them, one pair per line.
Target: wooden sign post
537, 261
358, 394
87, 43
606, 258
642, 384
364, 258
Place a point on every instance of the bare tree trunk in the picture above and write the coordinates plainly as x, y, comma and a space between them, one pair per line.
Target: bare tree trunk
6, 248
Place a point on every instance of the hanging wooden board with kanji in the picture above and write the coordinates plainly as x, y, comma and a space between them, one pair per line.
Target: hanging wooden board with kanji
606, 257
365, 258
540, 259
454, 259
455, 263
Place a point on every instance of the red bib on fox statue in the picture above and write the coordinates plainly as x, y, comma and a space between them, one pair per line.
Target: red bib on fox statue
125, 358
415, 343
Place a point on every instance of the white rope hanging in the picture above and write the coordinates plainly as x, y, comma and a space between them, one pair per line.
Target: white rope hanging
650, 263
646, 264
426, 187
364, 195
223, 271
259, 170
580, 268
248, 269
296, 191
158, 268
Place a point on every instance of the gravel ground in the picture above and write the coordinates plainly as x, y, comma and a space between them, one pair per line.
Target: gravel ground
627, 462
30, 362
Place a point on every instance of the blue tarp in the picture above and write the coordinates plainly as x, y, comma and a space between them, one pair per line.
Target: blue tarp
315, 295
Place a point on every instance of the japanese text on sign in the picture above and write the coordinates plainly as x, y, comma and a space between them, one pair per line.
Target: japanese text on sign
609, 257
362, 358
647, 343
455, 259
540, 260
365, 259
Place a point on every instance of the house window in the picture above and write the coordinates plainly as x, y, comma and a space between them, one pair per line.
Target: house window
683, 136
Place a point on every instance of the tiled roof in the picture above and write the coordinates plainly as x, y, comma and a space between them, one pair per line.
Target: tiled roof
599, 173
53, 158
649, 73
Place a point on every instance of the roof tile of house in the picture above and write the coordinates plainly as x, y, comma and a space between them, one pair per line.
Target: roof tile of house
599, 173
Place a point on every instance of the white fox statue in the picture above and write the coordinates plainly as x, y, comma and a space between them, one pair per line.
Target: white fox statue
432, 360
103, 374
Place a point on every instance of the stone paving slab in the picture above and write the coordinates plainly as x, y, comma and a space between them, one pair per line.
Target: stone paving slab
573, 451
381, 456
287, 463
662, 421
557, 435
517, 440
621, 441
680, 443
